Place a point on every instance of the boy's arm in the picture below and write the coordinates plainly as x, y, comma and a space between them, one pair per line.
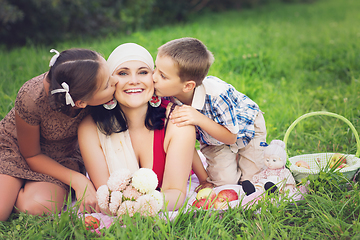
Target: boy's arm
198, 168
187, 115
200, 172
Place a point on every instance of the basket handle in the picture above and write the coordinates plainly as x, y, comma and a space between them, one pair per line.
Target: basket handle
291, 127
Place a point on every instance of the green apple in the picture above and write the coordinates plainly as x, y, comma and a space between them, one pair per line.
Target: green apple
206, 193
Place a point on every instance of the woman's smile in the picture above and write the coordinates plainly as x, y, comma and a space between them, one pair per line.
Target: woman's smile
134, 90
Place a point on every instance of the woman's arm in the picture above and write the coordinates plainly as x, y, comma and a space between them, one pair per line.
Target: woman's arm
29, 143
179, 146
92, 153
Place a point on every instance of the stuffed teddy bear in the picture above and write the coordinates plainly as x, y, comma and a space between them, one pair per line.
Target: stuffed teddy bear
275, 176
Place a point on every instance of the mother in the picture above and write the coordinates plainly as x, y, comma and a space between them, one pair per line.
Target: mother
136, 132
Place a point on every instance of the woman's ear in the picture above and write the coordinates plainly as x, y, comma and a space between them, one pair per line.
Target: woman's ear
189, 86
80, 104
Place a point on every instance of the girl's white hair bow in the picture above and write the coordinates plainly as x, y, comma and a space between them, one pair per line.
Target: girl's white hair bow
54, 58
65, 89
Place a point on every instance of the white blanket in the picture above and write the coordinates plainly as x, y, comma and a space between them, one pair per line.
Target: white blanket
193, 182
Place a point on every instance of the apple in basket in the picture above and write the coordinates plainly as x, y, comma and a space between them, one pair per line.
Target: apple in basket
302, 164
205, 198
338, 159
343, 165
224, 197
91, 222
202, 203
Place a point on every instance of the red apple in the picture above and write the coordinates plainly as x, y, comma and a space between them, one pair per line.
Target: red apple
343, 165
91, 222
302, 164
224, 197
220, 205
337, 159
228, 194
202, 203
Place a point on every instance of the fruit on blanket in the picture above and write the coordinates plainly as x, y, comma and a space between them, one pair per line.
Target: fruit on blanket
302, 164
343, 165
202, 203
91, 222
220, 205
224, 197
205, 198
206, 193
337, 159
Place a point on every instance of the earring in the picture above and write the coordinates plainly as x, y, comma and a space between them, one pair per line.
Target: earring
155, 101
111, 104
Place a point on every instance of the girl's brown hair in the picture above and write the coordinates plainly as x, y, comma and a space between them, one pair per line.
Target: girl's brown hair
79, 69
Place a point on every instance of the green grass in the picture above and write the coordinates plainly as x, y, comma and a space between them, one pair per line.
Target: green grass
289, 58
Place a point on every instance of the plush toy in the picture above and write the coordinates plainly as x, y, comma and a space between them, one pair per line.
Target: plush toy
275, 176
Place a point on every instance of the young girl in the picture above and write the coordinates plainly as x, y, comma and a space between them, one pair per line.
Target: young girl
39, 155
136, 132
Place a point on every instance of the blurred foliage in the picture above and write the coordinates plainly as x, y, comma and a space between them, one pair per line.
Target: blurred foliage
48, 21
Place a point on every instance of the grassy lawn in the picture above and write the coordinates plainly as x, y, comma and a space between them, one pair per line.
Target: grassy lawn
289, 58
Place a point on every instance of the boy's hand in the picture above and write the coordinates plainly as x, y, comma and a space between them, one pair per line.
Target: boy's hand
185, 115
203, 185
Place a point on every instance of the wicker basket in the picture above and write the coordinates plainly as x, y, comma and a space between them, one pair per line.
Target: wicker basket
318, 161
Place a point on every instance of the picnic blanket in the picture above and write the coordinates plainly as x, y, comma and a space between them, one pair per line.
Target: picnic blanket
193, 182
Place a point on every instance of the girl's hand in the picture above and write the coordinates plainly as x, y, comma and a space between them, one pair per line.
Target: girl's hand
86, 194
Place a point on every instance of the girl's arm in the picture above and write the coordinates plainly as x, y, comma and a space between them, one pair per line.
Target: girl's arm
179, 146
29, 144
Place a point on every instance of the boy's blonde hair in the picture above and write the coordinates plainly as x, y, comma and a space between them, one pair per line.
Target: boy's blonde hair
191, 56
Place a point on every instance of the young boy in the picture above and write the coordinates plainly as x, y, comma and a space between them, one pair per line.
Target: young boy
230, 126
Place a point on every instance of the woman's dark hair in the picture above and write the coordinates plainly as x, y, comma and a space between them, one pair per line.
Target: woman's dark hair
79, 69
114, 121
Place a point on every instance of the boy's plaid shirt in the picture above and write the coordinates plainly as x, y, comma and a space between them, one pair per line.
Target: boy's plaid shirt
222, 103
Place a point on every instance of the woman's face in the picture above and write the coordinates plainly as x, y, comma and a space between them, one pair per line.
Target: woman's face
273, 162
106, 85
135, 84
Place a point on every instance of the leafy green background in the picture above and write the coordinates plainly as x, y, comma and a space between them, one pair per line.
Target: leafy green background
290, 58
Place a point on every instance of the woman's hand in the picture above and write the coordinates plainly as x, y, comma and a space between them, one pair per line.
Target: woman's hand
85, 193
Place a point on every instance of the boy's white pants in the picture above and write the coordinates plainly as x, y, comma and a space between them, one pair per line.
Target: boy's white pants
226, 167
